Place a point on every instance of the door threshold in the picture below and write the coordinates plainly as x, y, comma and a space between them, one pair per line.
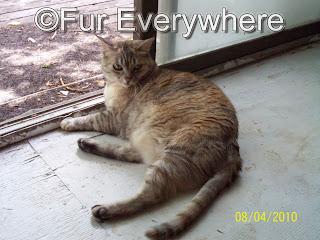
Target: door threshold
48, 118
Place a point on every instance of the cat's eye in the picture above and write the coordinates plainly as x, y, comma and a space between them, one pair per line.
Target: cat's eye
117, 67
137, 67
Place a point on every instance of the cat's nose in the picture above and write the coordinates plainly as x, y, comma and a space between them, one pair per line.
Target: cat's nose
127, 79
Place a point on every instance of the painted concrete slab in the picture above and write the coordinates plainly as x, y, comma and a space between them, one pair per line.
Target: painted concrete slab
56, 147
10, 154
36, 204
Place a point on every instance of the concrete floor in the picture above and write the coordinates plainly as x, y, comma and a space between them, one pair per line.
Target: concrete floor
48, 185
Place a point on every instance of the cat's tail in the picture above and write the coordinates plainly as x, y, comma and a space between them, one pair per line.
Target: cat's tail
193, 209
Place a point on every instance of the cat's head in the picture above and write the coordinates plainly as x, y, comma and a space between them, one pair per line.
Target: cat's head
126, 62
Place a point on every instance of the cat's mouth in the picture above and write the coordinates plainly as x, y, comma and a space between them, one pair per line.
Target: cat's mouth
126, 84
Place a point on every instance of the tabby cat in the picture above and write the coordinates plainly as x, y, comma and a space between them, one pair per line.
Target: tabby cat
181, 125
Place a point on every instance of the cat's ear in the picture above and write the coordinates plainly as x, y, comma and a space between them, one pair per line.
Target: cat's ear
106, 44
145, 45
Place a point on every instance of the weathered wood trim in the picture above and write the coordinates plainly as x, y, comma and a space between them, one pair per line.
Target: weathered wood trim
51, 108
211, 71
145, 7
47, 120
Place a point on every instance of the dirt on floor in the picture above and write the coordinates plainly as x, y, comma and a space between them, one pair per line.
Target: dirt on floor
35, 65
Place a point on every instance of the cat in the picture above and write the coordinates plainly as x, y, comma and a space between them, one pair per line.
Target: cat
182, 126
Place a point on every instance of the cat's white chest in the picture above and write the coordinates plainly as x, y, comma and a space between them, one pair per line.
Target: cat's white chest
115, 96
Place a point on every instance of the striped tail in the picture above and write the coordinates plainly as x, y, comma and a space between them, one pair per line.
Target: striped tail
193, 209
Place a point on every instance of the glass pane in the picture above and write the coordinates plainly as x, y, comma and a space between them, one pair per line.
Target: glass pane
172, 46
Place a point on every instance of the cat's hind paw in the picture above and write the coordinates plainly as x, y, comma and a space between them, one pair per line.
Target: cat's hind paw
100, 212
163, 231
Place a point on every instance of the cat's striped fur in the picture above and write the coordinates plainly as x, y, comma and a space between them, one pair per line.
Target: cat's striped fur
183, 126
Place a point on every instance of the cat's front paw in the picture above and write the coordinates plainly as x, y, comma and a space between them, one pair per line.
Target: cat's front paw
101, 212
68, 124
86, 145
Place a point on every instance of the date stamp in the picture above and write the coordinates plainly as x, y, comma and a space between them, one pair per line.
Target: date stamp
266, 217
